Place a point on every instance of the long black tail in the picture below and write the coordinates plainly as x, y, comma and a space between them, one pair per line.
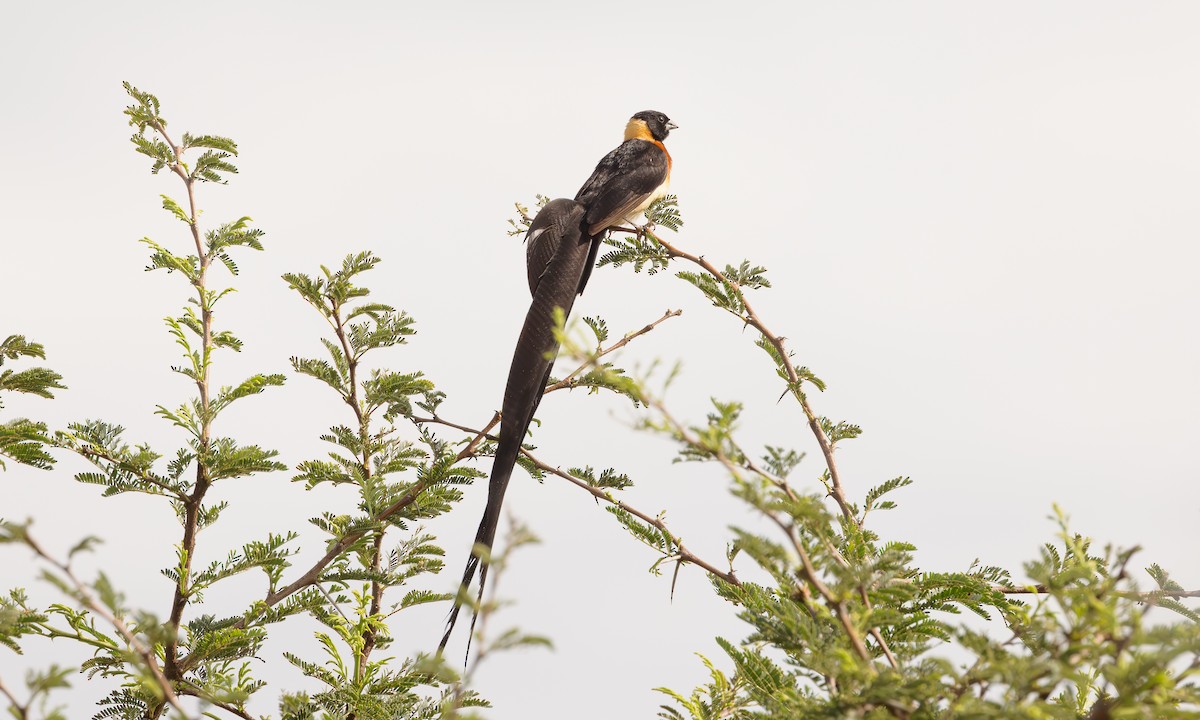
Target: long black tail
558, 256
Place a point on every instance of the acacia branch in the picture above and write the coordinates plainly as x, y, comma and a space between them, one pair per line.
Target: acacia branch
370, 635
603, 494
198, 692
1147, 596
745, 462
95, 455
568, 381
313, 574
809, 574
795, 382
193, 502
84, 595
20, 711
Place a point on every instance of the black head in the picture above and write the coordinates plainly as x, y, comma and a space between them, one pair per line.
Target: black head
658, 124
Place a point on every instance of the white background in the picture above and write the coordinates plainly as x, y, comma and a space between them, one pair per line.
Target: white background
981, 221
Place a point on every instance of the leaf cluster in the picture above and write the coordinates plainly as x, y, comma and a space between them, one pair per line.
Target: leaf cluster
23, 440
843, 624
145, 115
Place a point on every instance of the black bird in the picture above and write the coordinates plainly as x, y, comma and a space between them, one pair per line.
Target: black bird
562, 243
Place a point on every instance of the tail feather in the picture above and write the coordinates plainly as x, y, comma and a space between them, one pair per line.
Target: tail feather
557, 227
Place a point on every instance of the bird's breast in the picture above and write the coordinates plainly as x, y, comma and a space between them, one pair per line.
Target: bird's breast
659, 191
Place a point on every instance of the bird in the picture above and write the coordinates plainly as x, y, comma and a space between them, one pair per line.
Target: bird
561, 247
627, 180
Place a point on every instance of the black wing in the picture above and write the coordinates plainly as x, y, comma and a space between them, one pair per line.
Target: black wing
622, 181
556, 256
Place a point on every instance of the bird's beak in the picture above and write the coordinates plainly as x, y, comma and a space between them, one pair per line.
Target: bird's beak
672, 126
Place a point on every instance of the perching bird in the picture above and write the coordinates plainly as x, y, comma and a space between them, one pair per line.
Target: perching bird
563, 241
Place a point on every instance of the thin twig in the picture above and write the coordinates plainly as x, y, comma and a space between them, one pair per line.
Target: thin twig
1148, 595
192, 504
809, 573
196, 691
751, 317
568, 381
606, 496
601, 494
22, 711
87, 598
311, 576
794, 380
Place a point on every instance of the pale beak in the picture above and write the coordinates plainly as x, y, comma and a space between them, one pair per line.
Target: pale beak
672, 126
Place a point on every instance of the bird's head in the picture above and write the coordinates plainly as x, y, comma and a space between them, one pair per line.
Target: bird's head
649, 125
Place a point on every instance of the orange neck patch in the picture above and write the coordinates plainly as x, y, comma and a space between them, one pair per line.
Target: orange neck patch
637, 130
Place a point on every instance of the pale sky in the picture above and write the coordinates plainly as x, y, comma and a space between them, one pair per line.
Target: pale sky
980, 221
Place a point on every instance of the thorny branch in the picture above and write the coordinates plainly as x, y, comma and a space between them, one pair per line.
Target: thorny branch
795, 382
732, 466
685, 555
602, 494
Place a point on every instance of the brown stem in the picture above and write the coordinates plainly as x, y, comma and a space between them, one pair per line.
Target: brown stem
656, 522
21, 712
195, 691
311, 575
85, 596
192, 505
602, 494
568, 381
370, 635
809, 574
1147, 596
794, 380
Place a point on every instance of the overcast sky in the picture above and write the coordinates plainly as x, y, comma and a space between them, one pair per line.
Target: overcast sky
980, 221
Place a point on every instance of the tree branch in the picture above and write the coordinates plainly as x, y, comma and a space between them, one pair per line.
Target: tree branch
603, 494
795, 382
21, 712
1148, 595
85, 596
567, 382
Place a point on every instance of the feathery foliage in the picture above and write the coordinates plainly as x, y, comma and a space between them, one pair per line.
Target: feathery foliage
23, 440
839, 621
846, 626
398, 482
